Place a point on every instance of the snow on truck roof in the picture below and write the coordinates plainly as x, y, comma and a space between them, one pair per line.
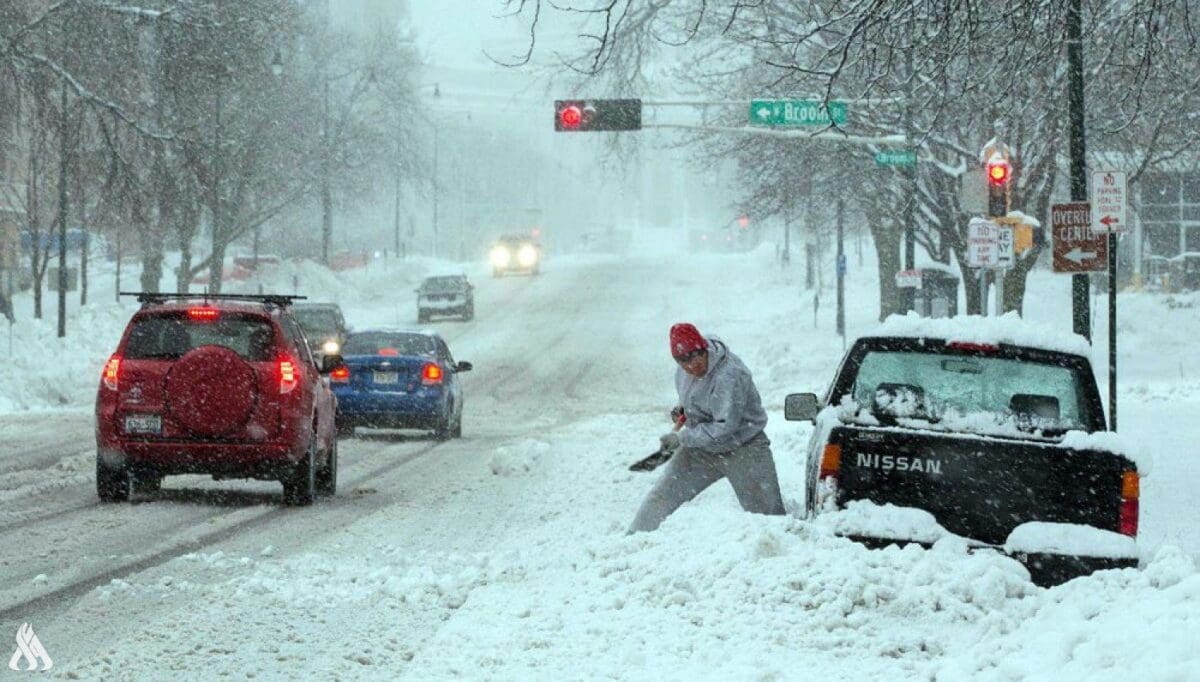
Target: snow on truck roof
1005, 329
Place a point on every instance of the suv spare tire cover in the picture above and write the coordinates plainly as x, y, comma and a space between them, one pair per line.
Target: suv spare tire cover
211, 391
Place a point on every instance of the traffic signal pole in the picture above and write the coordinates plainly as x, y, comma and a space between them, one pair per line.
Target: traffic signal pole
910, 172
1080, 314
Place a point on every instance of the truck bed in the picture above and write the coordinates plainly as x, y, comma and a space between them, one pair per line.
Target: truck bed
979, 487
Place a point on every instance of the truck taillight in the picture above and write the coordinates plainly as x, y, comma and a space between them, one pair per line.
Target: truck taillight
340, 375
112, 370
287, 375
831, 461
1127, 523
431, 374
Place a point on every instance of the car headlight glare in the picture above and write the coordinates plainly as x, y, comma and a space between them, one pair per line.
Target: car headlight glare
331, 347
527, 256
500, 256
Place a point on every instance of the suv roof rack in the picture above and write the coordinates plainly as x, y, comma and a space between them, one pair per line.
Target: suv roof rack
155, 297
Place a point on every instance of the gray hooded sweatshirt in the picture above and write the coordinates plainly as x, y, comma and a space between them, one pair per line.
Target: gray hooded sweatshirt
723, 408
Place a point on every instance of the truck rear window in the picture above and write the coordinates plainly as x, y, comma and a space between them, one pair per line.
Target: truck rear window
170, 336
938, 387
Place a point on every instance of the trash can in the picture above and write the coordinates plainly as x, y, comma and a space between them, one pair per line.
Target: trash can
1185, 271
929, 292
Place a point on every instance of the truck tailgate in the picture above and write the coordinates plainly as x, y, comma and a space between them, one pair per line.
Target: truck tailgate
980, 487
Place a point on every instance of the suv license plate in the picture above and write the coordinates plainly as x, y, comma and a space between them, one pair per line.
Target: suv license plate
143, 423
386, 378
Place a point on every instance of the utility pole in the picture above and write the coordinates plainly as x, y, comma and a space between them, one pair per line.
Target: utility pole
910, 171
63, 206
396, 216
1080, 313
787, 240
841, 269
436, 185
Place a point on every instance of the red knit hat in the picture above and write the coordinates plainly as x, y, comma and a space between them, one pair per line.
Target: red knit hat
685, 338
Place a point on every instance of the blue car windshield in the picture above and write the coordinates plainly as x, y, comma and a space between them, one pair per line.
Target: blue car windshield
389, 343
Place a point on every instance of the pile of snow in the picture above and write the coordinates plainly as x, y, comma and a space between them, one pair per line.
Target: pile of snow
45, 371
1069, 538
517, 459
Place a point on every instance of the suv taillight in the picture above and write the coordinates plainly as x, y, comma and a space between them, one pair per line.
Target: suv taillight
287, 375
112, 371
1127, 523
431, 374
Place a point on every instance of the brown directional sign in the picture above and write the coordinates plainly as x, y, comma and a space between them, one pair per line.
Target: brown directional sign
1076, 247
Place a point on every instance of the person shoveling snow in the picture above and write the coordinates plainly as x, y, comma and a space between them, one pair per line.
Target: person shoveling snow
718, 434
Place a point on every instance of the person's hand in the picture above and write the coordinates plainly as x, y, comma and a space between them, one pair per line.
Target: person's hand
676, 414
670, 441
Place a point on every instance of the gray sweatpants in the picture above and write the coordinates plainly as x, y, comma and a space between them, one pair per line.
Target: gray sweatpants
750, 470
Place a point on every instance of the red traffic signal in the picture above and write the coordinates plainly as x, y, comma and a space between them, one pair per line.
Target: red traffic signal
580, 115
744, 222
998, 172
570, 116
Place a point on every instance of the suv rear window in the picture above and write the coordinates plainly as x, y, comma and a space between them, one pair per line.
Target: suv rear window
169, 336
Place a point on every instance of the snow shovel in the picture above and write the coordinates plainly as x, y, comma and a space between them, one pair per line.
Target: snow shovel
656, 458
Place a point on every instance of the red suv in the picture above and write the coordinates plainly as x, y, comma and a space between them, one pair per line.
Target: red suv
218, 384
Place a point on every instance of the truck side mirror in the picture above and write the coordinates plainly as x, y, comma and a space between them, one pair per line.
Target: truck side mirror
801, 407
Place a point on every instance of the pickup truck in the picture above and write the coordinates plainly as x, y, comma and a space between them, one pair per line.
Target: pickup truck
993, 427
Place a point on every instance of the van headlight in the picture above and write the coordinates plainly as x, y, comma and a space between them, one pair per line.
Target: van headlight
500, 257
527, 256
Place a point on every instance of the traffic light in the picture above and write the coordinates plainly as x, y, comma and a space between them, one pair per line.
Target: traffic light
584, 115
999, 173
744, 222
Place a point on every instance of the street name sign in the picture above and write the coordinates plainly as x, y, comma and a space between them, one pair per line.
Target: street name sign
1077, 247
983, 248
796, 112
896, 157
1108, 202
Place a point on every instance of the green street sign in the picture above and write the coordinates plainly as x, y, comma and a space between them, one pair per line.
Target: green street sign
796, 112
896, 157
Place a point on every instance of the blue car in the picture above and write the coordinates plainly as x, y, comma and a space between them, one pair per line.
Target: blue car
398, 380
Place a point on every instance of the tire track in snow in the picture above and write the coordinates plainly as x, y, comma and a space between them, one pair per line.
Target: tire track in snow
69, 592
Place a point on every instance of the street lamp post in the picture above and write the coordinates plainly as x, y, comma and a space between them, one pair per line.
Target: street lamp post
435, 190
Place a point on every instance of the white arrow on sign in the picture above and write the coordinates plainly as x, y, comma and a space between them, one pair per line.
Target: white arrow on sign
1079, 255
764, 112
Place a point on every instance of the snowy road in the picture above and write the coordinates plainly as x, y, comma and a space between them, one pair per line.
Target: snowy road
502, 555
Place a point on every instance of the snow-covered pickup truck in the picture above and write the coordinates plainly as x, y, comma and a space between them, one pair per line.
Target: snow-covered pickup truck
989, 429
